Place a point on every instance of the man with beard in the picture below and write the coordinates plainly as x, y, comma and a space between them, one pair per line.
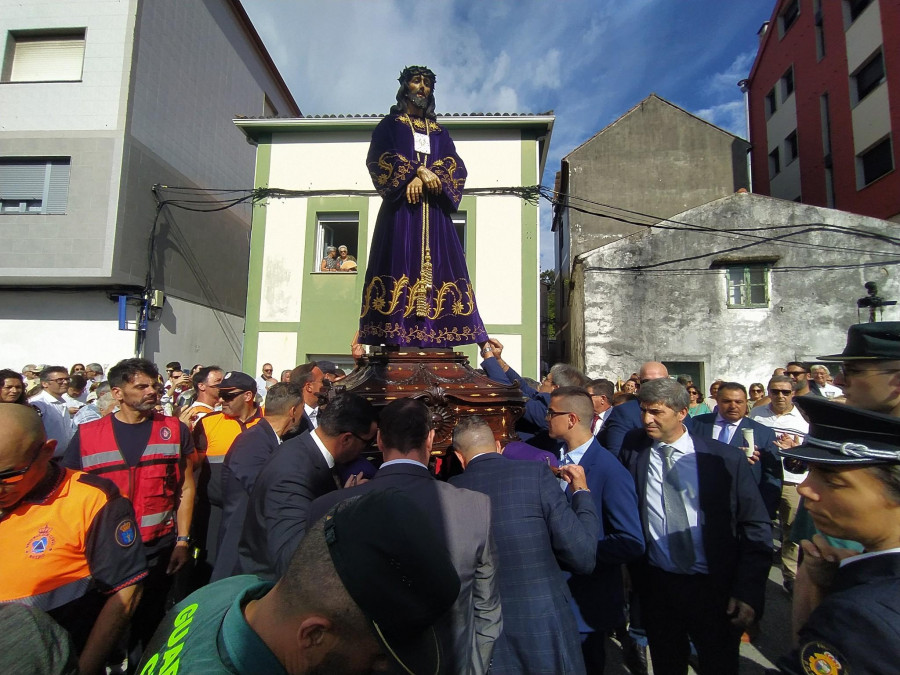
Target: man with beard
149, 458
417, 290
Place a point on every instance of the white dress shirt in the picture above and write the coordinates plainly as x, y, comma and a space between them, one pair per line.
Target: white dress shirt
329, 459
717, 429
789, 423
684, 461
312, 414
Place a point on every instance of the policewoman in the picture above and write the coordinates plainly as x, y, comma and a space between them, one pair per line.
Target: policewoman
846, 612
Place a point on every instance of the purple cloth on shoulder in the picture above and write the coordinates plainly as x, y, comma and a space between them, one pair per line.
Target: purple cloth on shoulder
519, 450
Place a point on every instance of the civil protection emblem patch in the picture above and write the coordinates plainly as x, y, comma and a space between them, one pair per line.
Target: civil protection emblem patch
165, 433
817, 658
40, 544
126, 533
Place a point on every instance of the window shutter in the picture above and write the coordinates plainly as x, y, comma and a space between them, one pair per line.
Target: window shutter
58, 191
47, 59
23, 180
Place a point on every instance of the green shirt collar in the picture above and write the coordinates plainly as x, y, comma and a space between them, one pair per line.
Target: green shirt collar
239, 643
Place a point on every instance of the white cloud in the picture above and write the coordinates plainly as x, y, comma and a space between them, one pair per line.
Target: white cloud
731, 116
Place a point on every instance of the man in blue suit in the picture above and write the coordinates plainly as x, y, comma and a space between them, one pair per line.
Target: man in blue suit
599, 597
709, 538
536, 532
728, 424
627, 416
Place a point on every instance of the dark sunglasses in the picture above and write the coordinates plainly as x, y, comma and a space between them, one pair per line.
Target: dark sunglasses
781, 392
16, 475
230, 395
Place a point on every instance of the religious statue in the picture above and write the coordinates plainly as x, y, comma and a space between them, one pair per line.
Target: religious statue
417, 291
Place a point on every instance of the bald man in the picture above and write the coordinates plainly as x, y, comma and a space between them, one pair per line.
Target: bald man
623, 418
537, 532
71, 544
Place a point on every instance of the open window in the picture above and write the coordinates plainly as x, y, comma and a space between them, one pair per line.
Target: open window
340, 231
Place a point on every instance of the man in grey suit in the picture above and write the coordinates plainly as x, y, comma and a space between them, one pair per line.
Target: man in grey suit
302, 469
462, 518
536, 532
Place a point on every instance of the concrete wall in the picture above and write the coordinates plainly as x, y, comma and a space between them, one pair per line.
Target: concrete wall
674, 309
65, 327
656, 159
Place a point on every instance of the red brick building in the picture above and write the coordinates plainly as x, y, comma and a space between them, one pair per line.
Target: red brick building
824, 105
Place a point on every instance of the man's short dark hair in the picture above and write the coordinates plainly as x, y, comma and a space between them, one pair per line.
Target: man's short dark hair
579, 402
733, 386
301, 375
404, 425
603, 387
126, 370
345, 413
202, 375
78, 382
283, 396
49, 370
174, 365
797, 364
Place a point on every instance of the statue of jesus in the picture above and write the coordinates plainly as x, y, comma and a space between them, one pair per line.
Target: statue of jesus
417, 291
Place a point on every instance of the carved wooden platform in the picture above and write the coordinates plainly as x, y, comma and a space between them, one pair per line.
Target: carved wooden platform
446, 383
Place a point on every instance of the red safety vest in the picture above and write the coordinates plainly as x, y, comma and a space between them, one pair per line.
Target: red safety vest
152, 485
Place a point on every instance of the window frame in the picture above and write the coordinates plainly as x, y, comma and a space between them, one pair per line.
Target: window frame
787, 84
774, 162
771, 103
860, 95
791, 148
746, 285
54, 189
321, 242
787, 19
868, 153
16, 39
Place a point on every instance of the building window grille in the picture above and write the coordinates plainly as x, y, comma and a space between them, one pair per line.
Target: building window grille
336, 229
774, 163
869, 76
52, 56
791, 149
34, 185
876, 161
747, 286
789, 16
787, 83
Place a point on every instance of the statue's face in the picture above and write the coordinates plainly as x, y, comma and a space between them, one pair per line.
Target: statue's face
418, 89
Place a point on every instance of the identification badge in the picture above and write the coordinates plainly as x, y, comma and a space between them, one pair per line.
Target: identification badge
422, 143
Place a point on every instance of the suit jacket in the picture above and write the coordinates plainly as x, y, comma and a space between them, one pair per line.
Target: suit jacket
622, 419
736, 530
534, 419
468, 631
767, 471
278, 507
599, 597
536, 532
244, 460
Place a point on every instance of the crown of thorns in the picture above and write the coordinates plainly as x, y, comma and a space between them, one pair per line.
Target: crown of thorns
407, 73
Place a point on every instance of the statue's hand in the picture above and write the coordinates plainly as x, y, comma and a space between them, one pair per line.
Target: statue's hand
414, 190
431, 181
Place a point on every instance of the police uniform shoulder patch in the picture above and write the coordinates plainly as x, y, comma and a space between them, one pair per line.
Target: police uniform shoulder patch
818, 658
126, 533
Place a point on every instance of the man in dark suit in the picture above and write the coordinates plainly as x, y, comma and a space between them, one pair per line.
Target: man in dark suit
299, 471
462, 517
627, 416
728, 424
599, 598
536, 531
709, 538
245, 459
311, 380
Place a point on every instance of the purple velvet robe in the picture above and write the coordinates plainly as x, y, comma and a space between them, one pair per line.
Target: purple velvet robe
398, 305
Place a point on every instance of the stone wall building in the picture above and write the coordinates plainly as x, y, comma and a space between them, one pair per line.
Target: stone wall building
656, 159
731, 289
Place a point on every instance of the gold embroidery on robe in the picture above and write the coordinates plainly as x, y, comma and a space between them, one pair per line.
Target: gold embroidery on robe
418, 123
420, 334
445, 169
389, 171
453, 297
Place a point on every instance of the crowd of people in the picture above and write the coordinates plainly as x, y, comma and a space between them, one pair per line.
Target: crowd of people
215, 521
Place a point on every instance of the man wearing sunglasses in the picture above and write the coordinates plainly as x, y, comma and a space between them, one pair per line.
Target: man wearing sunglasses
71, 543
790, 427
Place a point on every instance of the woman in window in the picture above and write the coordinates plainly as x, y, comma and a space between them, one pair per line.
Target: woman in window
330, 263
697, 406
347, 263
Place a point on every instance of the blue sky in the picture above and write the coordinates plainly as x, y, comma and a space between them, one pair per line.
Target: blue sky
589, 61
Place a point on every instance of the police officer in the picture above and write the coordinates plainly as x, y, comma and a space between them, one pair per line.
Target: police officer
846, 604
